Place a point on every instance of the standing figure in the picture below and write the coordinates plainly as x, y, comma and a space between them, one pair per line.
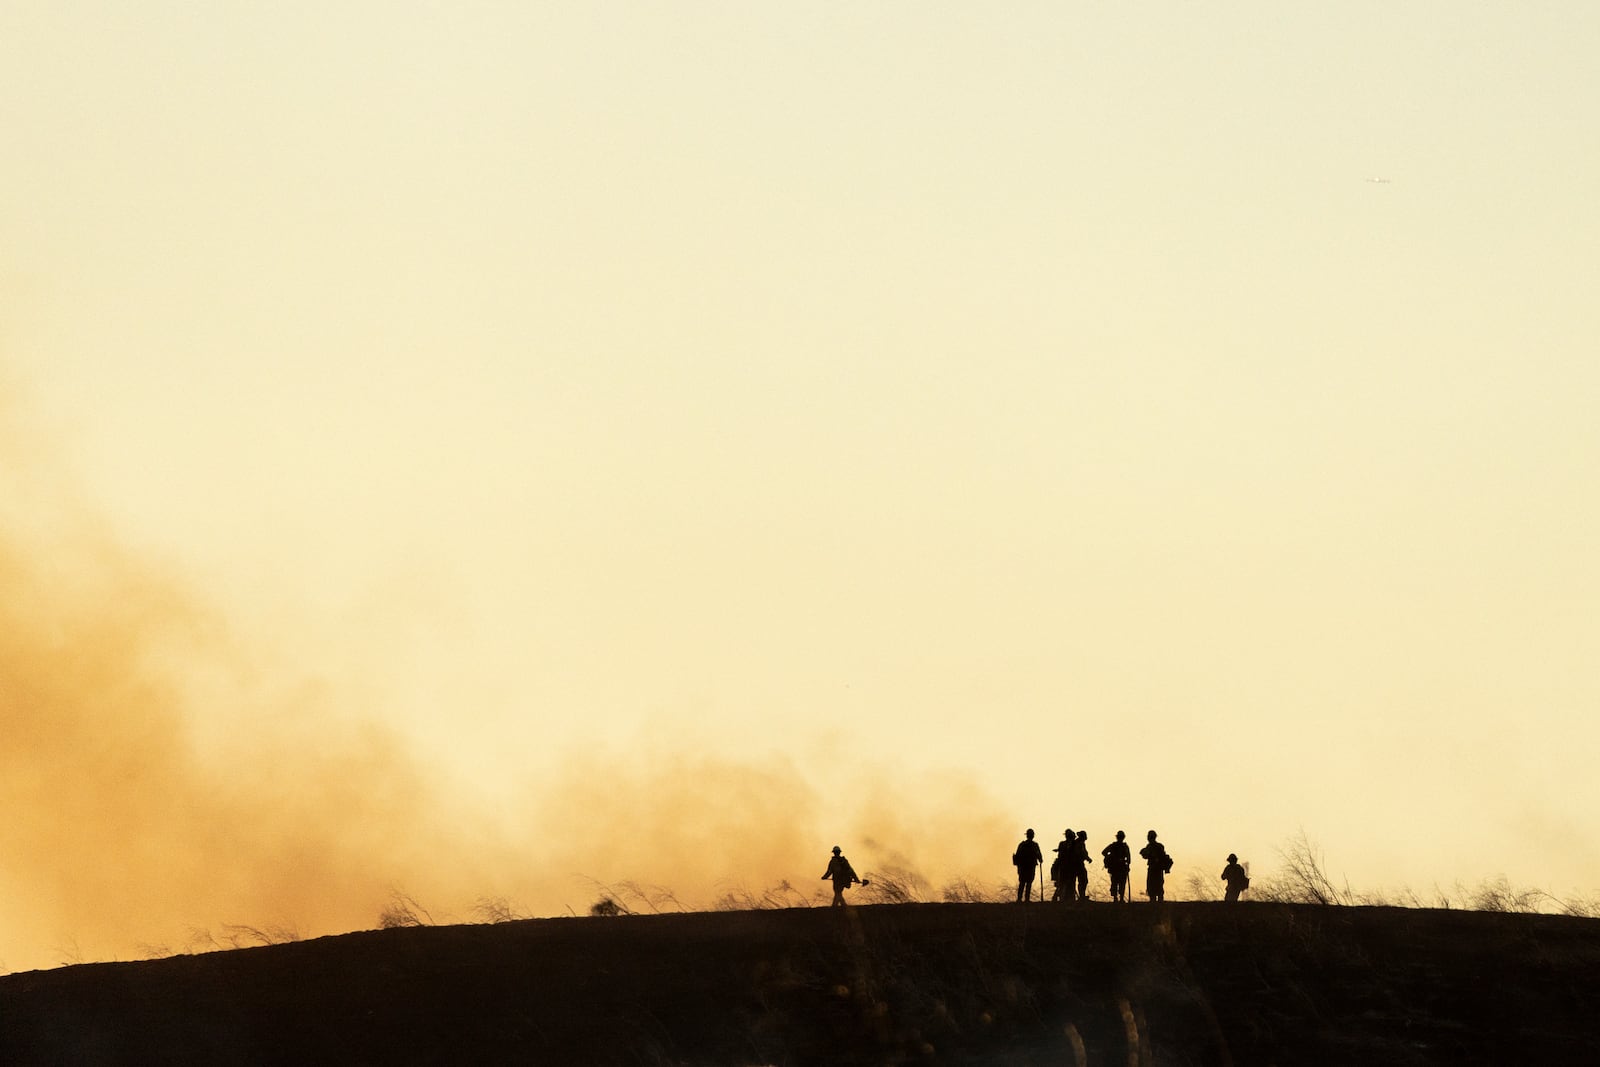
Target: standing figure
1058, 867
1155, 854
1080, 860
1028, 859
1118, 859
843, 875
1238, 881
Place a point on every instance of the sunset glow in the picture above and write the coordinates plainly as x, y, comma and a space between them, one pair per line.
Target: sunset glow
492, 450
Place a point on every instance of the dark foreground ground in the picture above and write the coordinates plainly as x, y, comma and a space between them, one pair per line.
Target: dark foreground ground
933, 983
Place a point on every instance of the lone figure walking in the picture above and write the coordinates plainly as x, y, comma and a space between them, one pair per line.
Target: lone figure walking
843, 875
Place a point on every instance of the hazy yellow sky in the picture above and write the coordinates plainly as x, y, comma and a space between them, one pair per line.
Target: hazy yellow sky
1041, 397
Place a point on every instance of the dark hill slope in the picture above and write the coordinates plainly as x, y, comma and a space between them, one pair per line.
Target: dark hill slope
947, 983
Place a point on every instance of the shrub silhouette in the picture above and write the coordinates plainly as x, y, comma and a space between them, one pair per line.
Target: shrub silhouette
1303, 878
403, 911
1198, 887
497, 910
607, 907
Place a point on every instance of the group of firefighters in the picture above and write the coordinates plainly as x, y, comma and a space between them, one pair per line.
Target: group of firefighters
1070, 869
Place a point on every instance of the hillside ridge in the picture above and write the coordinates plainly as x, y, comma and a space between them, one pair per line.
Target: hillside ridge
1176, 983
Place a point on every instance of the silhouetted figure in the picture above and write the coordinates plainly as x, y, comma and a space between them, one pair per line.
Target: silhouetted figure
1118, 858
1055, 867
1059, 867
1155, 854
1080, 861
1028, 859
843, 875
1234, 876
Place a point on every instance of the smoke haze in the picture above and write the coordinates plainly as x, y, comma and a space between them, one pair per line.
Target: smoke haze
162, 783
119, 826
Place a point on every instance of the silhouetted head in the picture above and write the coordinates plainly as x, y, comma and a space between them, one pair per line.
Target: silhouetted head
1083, 835
1151, 835
1030, 835
1067, 832
1232, 858
836, 850
1120, 835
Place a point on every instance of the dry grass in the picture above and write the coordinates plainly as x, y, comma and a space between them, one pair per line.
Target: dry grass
403, 911
782, 895
497, 910
896, 885
965, 891
1303, 878
1198, 887
633, 898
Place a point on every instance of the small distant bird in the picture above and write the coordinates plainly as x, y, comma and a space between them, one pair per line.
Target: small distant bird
1378, 181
